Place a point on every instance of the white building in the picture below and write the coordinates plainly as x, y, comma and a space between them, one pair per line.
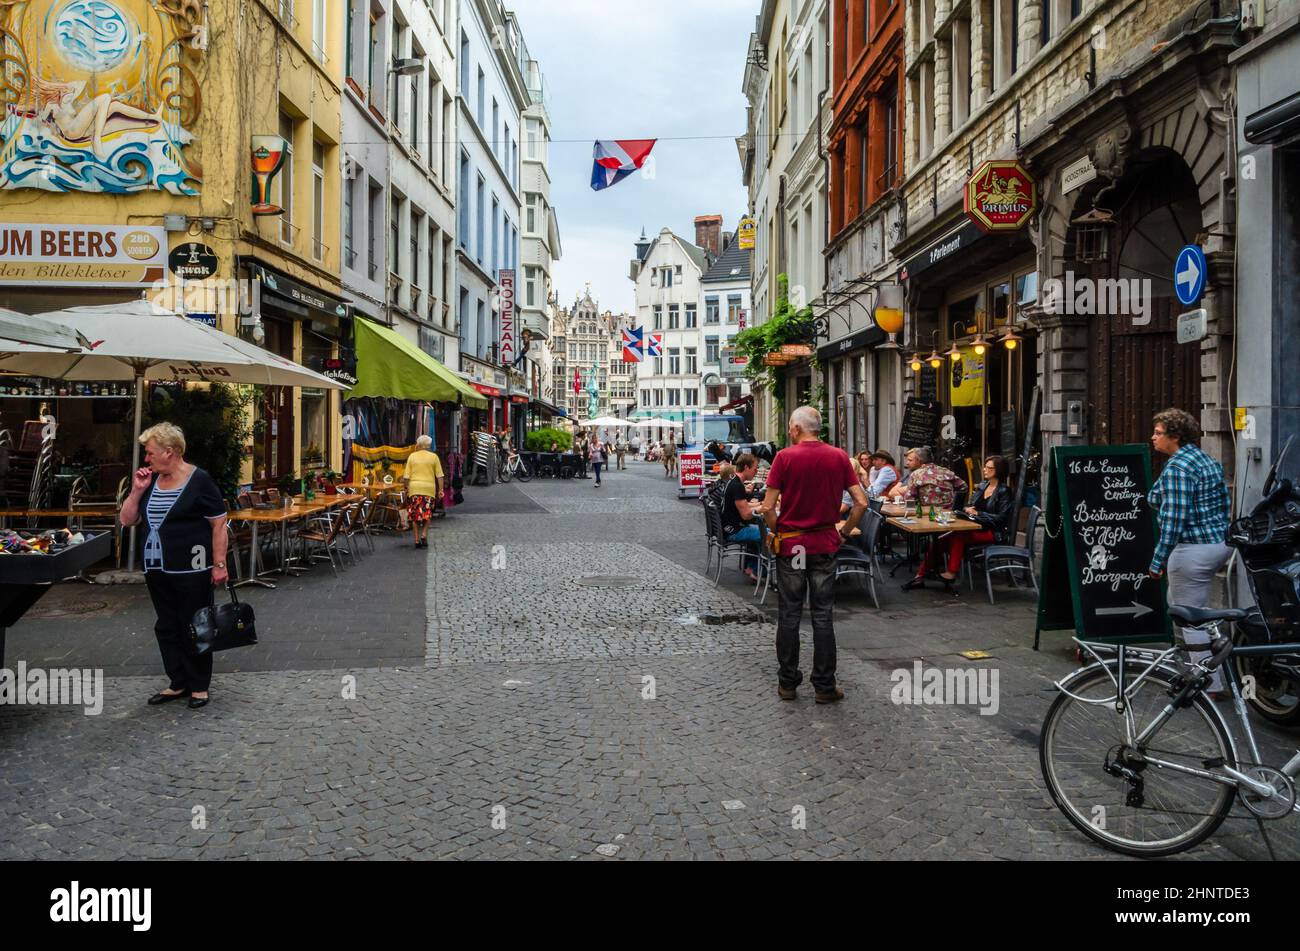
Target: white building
619, 398
398, 173
491, 99
667, 273
725, 306
540, 240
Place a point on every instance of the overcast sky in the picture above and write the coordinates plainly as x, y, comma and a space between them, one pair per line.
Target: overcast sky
616, 69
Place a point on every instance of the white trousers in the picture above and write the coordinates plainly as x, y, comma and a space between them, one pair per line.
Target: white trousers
1192, 569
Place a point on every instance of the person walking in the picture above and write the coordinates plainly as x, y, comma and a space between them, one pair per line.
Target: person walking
184, 554
1193, 507
620, 449
423, 477
807, 479
583, 450
599, 457
670, 458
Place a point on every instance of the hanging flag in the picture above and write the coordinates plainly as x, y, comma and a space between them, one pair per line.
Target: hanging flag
633, 345
654, 345
577, 381
616, 159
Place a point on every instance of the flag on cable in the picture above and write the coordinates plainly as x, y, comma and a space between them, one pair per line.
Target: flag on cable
616, 159
654, 345
577, 381
633, 345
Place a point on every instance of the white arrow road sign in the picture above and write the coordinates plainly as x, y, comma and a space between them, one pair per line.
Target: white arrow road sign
1137, 610
1190, 274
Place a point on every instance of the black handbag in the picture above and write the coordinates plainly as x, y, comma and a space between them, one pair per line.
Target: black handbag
222, 627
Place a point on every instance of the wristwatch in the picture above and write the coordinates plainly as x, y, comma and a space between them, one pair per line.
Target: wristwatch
220, 564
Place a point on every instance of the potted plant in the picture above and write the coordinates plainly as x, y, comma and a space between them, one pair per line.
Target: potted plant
328, 479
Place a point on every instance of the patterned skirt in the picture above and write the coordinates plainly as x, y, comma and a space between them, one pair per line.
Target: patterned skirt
419, 508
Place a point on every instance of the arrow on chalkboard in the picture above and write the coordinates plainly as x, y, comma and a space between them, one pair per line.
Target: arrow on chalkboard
1137, 610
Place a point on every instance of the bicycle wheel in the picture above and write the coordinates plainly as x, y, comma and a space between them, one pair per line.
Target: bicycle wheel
1177, 810
505, 473
1273, 695
522, 472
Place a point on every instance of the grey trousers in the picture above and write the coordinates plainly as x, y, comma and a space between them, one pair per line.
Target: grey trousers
1191, 576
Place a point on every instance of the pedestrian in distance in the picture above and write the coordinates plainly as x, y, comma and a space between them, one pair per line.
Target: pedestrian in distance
599, 456
620, 449
184, 554
669, 458
1193, 507
423, 478
806, 481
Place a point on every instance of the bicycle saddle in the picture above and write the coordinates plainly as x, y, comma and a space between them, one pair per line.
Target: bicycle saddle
1198, 616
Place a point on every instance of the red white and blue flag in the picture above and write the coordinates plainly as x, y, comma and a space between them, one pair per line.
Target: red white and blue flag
616, 159
577, 381
633, 345
654, 345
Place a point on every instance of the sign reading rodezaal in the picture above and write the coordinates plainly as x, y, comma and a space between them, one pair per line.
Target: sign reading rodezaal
1000, 196
115, 255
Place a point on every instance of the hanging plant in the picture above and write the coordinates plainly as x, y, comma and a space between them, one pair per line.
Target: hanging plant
787, 325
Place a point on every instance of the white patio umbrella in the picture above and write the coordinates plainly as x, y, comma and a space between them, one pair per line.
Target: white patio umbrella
140, 341
24, 328
605, 421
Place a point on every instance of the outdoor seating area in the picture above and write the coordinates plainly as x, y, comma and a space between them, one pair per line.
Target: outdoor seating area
890, 533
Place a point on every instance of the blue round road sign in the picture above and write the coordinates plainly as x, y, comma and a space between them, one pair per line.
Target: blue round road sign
1189, 274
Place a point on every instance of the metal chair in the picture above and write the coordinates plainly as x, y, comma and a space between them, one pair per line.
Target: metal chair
322, 532
766, 563
1009, 558
722, 546
860, 558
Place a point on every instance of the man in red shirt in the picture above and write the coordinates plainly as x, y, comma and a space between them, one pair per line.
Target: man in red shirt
809, 477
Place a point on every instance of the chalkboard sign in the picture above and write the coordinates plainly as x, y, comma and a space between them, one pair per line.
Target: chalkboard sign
928, 384
1007, 428
920, 423
1100, 537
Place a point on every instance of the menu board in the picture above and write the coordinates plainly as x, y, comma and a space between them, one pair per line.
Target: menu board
920, 423
1100, 537
927, 387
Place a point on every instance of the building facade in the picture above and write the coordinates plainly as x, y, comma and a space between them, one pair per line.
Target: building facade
260, 69
725, 308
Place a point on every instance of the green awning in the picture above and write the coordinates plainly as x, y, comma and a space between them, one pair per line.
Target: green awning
390, 366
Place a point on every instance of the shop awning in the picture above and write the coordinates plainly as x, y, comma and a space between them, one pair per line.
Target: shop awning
390, 366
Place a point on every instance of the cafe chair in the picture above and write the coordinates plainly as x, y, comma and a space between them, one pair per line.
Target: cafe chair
721, 546
1009, 558
766, 563
322, 535
79, 497
859, 557
708, 535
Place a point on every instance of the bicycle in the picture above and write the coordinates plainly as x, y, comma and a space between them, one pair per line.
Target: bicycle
514, 466
1139, 758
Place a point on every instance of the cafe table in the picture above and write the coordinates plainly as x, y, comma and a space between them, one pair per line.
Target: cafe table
84, 511
280, 515
919, 529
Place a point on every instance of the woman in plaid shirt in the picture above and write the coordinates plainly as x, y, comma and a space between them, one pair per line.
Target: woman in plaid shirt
1191, 500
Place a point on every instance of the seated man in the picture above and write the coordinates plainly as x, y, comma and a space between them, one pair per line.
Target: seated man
933, 483
739, 514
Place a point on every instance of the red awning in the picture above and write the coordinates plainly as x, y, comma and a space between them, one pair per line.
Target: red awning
734, 403
486, 390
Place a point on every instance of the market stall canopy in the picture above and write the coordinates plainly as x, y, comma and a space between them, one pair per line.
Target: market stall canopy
24, 328
391, 367
139, 339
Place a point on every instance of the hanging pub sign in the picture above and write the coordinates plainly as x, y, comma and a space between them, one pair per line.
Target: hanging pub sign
745, 232
1000, 196
192, 261
267, 160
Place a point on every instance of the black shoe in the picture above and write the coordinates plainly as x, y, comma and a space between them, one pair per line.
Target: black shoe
160, 698
914, 584
950, 585
196, 702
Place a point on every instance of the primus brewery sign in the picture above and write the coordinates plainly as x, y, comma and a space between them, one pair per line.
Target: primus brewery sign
1000, 196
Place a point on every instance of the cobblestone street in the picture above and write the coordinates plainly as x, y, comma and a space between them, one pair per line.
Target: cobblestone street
554, 678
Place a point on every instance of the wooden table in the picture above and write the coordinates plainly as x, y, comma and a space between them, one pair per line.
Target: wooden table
85, 511
927, 526
281, 515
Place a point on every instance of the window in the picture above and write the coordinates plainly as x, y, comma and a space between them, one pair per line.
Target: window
478, 211
496, 121
348, 59
464, 64
417, 225
733, 308
659, 317
318, 30
690, 316
463, 200
863, 174
533, 127
433, 273
674, 360
710, 310
433, 146
395, 235
659, 370
496, 237
349, 222
659, 397
530, 286
372, 59
286, 180
318, 200
530, 214
413, 107
480, 349
1006, 30
692, 396
690, 361
481, 90
891, 137
677, 272
673, 317
674, 397
710, 350
666, 277
373, 211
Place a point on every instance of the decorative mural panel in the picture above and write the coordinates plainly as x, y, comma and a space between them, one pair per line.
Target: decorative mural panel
100, 95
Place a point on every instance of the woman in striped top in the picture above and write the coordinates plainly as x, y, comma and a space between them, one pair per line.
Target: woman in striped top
184, 554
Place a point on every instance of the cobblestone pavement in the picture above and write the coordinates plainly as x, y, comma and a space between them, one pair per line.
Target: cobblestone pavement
531, 705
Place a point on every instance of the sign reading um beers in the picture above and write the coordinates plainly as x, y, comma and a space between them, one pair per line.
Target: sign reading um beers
1001, 196
75, 254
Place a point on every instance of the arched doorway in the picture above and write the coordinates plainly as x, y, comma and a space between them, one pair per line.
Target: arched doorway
1136, 365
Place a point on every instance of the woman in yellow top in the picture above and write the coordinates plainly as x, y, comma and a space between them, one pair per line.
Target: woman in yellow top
424, 484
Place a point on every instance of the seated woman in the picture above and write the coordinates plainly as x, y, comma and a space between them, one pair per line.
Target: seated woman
991, 508
739, 514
